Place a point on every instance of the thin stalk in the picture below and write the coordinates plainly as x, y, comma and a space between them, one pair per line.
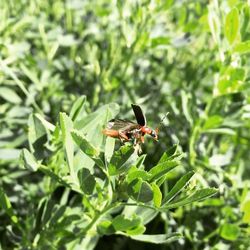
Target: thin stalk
97, 216
140, 205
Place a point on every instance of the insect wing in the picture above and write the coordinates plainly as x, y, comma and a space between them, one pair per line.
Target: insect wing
123, 125
141, 119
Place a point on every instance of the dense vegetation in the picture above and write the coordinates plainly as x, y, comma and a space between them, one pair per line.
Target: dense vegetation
67, 67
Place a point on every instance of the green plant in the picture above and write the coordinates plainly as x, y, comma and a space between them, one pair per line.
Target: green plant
188, 58
113, 193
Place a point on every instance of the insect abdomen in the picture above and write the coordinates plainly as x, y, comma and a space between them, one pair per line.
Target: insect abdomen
111, 132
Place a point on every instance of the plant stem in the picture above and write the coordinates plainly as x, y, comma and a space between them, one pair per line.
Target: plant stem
97, 216
139, 205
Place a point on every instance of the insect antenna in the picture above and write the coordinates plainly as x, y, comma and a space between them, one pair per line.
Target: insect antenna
161, 124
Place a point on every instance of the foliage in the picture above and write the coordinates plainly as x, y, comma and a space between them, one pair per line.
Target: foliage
63, 67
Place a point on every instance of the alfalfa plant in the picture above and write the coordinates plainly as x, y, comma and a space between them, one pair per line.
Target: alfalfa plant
103, 190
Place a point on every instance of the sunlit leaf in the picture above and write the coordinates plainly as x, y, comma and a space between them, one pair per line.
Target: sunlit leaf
84, 145
246, 210
157, 195
230, 231
161, 169
213, 122
178, 187
232, 25
242, 48
197, 195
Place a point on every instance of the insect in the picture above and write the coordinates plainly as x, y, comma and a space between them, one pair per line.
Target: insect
126, 130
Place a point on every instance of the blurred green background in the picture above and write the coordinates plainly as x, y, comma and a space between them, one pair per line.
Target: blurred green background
189, 58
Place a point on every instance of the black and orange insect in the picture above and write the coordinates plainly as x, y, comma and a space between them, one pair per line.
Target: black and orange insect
126, 130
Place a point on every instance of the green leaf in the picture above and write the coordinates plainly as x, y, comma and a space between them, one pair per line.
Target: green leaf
246, 211
109, 148
47, 211
122, 160
135, 173
39, 213
47, 125
197, 195
161, 169
213, 122
232, 25
120, 223
165, 156
242, 48
66, 126
146, 214
91, 125
160, 41
9, 95
230, 231
37, 135
137, 230
59, 213
213, 202
140, 161
77, 108
87, 147
180, 184
6, 206
140, 190
157, 238
84, 144
87, 181
105, 227
170, 154
157, 195
166, 4
28, 161
100, 116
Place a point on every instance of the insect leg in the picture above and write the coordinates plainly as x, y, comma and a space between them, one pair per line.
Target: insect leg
123, 136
